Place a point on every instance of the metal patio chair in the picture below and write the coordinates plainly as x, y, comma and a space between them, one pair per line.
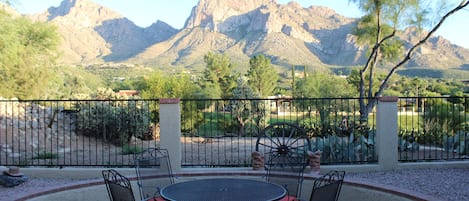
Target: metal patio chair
118, 186
287, 171
328, 186
153, 169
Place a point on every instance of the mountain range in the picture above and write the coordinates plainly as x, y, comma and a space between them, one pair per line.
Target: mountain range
288, 34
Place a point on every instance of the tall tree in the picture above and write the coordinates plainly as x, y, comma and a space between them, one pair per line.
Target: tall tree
378, 30
261, 75
323, 85
159, 85
246, 111
27, 52
218, 76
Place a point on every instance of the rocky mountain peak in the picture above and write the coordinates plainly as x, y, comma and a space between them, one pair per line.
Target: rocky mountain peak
86, 12
209, 13
239, 17
93, 33
323, 11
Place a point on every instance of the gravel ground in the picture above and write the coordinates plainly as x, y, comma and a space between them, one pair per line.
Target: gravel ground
33, 185
450, 184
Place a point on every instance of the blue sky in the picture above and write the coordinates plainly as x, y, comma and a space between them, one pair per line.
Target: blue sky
175, 12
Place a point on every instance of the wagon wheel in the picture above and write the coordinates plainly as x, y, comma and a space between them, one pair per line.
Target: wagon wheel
283, 139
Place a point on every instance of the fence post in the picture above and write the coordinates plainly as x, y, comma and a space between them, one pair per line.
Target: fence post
387, 132
170, 130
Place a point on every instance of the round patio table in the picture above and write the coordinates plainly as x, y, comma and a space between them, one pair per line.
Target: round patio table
223, 189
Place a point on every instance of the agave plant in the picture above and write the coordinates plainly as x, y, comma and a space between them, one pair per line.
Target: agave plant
458, 143
406, 145
408, 140
336, 149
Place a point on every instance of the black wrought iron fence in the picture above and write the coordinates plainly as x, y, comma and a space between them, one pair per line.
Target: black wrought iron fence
433, 128
218, 132
225, 132
75, 132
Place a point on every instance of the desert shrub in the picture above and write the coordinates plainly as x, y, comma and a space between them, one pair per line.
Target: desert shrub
113, 121
410, 140
459, 143
131, 149
191, 117
46, 155
228, 125
209, 129
441, 119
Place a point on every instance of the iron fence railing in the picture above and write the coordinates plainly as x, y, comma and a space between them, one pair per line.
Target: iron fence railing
75, 132
433, 128
221, 132
224, 132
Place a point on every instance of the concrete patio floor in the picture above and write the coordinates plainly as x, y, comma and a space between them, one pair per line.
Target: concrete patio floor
99, 193
95, 190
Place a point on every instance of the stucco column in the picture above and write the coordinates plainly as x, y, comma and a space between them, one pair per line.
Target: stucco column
170, 130
387, 132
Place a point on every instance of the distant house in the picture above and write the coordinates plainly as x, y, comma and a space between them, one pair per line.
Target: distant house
280, 104
128, 93
300, 71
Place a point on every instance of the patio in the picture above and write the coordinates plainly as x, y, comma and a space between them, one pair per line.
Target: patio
90, 187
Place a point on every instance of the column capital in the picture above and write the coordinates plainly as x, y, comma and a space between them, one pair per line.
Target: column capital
388, 99
169, 100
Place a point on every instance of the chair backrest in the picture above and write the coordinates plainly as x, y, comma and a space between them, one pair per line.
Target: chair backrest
153, 162
118, 186
287, 171
328, 186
